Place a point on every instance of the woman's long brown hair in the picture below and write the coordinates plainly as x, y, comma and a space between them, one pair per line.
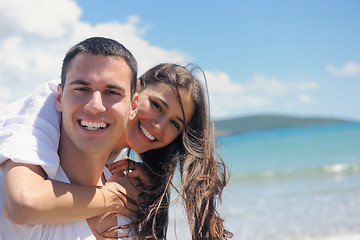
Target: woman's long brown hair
203, 172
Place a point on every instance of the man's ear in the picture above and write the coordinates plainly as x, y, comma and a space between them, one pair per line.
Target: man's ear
58, 98
134, 106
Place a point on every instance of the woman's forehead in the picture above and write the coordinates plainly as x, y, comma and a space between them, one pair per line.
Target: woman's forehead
160, 88
168, 94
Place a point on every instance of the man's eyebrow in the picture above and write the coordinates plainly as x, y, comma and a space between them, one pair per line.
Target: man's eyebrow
116, 87
86, 83
80, 82
167, 106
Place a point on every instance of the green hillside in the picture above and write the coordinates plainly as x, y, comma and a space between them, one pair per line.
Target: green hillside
261, 122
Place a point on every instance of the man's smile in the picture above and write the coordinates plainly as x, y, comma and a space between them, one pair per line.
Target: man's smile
93, 125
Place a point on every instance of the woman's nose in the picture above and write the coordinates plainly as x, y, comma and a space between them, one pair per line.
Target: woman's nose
95, 104
158, 124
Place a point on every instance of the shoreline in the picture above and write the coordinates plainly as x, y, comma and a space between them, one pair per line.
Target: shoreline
249, 124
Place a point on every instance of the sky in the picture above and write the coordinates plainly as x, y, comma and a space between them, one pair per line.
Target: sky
299, 58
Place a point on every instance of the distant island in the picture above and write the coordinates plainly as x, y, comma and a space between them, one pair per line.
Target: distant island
262, 122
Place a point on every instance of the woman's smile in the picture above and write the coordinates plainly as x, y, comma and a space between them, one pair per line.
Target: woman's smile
146, 132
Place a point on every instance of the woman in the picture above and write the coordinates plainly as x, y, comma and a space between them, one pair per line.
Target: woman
202, 176
185, 138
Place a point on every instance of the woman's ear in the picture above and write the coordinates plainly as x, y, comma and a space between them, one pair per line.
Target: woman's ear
134, 106
58, 98
138, 85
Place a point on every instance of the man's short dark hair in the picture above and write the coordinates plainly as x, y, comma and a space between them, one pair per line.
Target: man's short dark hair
101, 46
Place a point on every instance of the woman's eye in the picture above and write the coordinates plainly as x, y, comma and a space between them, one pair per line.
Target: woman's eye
156, 105
176, 125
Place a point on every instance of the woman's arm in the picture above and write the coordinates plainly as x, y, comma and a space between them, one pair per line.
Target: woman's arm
30, 198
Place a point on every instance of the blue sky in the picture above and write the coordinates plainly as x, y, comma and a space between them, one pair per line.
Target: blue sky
286, 57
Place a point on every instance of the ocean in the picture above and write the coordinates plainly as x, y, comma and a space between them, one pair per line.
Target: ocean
298, 183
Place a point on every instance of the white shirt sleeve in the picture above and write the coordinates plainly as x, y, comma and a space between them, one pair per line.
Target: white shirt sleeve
30, 129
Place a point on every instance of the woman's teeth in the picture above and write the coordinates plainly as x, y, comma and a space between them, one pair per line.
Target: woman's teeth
93, 125
146, 133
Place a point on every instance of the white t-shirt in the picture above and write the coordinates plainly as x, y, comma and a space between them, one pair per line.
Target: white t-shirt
32, 125
29, 133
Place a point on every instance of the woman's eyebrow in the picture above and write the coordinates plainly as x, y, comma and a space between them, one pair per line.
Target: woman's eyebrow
181, 120
163, 102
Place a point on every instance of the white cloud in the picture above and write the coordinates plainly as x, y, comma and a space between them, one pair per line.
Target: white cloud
36, 34
304, 98
38, 18
266, 86
261, 92
228, 97
303, 85
348, 69
4, 95
220, 82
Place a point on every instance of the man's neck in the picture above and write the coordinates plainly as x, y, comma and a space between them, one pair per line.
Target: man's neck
82, 167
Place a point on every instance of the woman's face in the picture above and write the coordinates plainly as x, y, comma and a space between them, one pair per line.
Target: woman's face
159, 119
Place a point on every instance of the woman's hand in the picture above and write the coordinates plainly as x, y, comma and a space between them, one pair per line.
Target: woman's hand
130, 178
136, 171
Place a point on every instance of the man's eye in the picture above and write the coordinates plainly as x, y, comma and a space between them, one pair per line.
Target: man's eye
111, 92
81, 89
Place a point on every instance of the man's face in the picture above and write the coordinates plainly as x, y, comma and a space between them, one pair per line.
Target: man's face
95, 102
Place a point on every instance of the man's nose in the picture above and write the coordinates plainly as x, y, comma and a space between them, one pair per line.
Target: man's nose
95, 104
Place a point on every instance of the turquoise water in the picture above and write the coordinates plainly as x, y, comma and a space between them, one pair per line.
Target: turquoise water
294, 183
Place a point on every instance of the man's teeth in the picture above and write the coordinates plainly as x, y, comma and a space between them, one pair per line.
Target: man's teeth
146, 133
93, 125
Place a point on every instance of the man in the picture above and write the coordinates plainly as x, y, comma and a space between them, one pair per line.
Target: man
98, 81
